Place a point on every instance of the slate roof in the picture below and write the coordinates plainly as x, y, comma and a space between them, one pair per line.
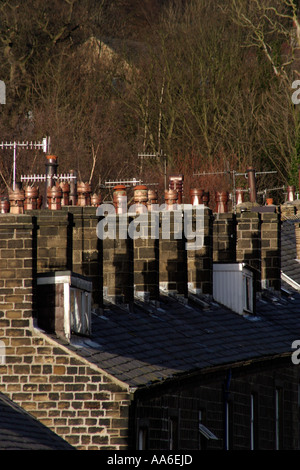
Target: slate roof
289, 264
147, 347
152, 344
21, 431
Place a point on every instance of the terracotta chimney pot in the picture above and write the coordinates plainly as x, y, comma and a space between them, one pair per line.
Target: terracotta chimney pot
196, 196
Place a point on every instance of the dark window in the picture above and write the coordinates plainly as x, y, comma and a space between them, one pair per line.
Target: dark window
173, 433
143, 439
202, 438
254, 421
278, 418
228, 440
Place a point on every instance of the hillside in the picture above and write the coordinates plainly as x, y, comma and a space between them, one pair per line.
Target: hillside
205, 82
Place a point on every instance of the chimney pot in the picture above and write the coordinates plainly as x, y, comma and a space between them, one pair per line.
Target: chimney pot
205, 198
171, 198
96, 200
84, 194
140, 197
119, 196
239, 196
16, 199
4, 205
176, 183
196, 196
252, 183
54, 197
31, 196
152, 198
291, 193
65, 187
51, 170
221, 198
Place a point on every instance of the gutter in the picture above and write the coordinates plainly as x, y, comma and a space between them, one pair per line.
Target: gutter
290, 281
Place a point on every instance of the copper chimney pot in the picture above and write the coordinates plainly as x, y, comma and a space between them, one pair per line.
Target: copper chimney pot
4, 205
205, 198
120, 199
96, 200
31, 197
152, 198
176, 183
16, 199
140, 197
140, 194
196, 196
221, 198
54, 197
239, 196
291, 193
171, 198
84, 194
65, 187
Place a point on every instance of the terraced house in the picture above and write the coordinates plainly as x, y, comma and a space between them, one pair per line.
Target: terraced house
141, 343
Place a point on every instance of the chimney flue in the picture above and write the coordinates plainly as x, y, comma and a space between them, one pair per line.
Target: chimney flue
239, 196
152, 198
140, 197
176, 184
54, 197
252, 183
171, 199
196, 196
65, 187
221, 199
31, 197
205, 198
51, 170
291, 193
4, 205
120, 199
16, 200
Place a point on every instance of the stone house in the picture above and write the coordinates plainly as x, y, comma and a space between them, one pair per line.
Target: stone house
142, 344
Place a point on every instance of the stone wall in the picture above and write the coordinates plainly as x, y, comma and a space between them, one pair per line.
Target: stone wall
202, 399
200, 260
224, 238
270, 250
79, 401
75, 399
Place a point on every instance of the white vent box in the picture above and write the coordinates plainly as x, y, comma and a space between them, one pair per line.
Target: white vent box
64, 303
233, 287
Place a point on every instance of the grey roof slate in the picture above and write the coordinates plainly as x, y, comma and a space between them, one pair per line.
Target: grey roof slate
21, 431
153, 344
289, 264
142, 348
